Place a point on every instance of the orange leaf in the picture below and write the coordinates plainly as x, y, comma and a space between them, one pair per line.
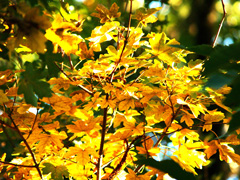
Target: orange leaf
107, 15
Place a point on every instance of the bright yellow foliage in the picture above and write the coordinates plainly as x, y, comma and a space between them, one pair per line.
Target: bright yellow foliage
111, 106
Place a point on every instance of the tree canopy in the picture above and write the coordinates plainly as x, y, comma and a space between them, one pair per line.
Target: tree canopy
103, 90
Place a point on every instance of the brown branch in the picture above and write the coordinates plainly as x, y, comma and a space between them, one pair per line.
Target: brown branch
20, 165
99, 165
220, 25
172, 119
124, 158
70, 62
34, 122
80, 86
7, 125
125, 42
27, 145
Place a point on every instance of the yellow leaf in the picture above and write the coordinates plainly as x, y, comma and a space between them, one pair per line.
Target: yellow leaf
82, 154
101, 34
84, 52
161, 48
105, 103
213, 116
53, 140
188, 119
60, 36
146, 16
3, 97
29, 31
148, 148
133, 176
81, 127
126, 104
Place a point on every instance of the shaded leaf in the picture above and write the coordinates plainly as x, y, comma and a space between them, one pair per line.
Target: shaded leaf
57, 173
168, 166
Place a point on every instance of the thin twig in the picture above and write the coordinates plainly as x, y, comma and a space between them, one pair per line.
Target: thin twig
125, 42
27, 145
80, 86
70, 62
123, 160
220, 25
21, 165
172, 119
7, 125
34, 122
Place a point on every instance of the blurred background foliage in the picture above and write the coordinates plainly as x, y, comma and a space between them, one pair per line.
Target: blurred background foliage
191, 22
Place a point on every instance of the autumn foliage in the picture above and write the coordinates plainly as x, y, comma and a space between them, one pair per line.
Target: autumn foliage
114, 110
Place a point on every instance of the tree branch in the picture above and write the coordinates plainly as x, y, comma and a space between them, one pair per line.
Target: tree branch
99, 166
220, 25
27, 145
20, 165
80, 86
125, 42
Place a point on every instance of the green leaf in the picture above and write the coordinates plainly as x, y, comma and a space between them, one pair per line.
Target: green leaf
32, 85
42, 89
27, 90
168, 166
217, 80
57, 173
223, 57
234, 123
204, 49
49, 58
233, 98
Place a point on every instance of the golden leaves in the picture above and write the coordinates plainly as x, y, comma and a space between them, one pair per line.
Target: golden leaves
226, 153
161, 47
107, 15
81, 127
213, 116
60, 36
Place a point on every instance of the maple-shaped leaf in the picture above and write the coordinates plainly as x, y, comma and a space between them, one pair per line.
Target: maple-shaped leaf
60, 36
3, 97
188, 119
29, 31
226, 153
84, 52
148, 148
197, 159
81, 127
83, 154
213, 116
126, 104
161, 47
57, 172
54, 140
133, 176
196, 109
107, 15
146, 16
101, 34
